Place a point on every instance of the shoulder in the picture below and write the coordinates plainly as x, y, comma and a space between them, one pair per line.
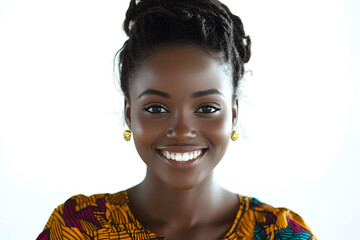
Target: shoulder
263, 221
81, 215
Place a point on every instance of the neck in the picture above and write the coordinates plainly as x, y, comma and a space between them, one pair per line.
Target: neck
156, 201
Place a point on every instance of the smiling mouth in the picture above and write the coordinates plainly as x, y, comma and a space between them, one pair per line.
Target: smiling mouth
181, 157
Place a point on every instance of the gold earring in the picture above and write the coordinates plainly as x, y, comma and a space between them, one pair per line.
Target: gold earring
234, 135
127, 135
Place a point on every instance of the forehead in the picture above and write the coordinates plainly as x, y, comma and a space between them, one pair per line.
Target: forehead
181, 70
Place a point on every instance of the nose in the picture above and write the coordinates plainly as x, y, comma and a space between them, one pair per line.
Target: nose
181, 130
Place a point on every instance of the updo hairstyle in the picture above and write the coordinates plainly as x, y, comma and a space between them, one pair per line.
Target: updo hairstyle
207, 24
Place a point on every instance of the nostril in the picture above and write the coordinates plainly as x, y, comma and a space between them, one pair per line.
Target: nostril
170, 133
181, 135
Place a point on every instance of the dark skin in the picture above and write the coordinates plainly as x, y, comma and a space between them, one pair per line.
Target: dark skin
191, 109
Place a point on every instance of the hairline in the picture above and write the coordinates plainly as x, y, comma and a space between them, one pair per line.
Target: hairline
217, 56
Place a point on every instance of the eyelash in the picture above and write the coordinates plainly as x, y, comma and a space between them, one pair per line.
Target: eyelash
155, 106
214, 109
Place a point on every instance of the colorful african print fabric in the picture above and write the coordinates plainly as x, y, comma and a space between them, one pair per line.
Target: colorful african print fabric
108, 216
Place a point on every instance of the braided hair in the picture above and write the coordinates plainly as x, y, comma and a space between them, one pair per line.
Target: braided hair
208, 24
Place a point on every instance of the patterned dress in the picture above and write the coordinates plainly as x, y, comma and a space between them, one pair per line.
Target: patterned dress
108, 216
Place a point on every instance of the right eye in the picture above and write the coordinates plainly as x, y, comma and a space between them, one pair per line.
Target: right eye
156, 109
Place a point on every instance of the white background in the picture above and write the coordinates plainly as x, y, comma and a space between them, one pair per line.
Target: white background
61, 123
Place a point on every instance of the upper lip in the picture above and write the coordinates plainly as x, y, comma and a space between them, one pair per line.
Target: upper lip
181, 148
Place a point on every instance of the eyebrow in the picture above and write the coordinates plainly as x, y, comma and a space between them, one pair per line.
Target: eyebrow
153, 92
206, 92
150, 91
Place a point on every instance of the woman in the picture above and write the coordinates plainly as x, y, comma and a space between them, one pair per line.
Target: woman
179, 70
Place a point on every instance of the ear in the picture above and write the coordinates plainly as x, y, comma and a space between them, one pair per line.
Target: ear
127, 112
235, 111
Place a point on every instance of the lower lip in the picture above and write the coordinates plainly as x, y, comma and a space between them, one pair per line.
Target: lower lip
183, 165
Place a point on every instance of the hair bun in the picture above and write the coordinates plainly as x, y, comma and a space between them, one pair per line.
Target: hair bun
137, 7
131, 14
208, 24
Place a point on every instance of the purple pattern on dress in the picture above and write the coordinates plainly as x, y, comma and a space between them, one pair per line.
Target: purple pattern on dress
43, 236
271, 218
295, 227
71, 217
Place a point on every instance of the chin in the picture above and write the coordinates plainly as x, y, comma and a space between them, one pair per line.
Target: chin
185, 181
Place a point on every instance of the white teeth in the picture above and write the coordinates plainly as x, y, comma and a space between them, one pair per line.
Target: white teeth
181, 157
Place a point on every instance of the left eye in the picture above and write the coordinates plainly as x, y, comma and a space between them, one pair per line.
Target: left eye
156, 109
208, 109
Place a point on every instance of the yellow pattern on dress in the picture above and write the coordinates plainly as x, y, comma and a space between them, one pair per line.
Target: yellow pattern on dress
108, 216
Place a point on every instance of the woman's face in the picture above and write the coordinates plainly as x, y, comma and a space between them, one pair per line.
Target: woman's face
181, 114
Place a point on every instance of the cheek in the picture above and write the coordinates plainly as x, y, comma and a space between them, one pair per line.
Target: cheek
218, 132
145, 133
220, 125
